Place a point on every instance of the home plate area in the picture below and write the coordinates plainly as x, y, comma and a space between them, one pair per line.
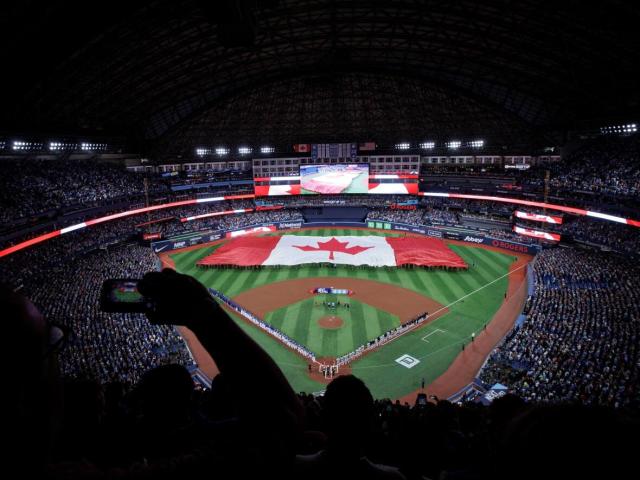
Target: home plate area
407, 361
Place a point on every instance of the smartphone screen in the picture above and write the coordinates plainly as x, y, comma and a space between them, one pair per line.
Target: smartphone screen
126, 291
122, 295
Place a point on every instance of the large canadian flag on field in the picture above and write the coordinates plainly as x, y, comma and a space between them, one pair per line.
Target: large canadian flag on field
373, 251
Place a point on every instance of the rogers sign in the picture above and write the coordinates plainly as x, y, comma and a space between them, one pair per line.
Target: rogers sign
510, 246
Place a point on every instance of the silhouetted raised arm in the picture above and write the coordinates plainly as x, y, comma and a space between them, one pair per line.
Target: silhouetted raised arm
248, 369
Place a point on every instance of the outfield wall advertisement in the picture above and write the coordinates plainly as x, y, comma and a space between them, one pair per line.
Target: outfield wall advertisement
180, 242
212, 236
176, 243
453, 235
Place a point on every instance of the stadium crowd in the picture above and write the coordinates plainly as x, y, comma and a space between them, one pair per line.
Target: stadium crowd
29, 187
580, 339
103, 346
618, 237
608, 166
415, 217
421, 216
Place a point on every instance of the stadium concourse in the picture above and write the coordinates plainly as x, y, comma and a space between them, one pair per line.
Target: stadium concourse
320, 239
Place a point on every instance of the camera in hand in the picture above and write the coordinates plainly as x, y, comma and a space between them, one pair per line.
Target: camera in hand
122, 295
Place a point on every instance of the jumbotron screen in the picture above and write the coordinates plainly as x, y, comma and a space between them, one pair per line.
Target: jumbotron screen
334, 179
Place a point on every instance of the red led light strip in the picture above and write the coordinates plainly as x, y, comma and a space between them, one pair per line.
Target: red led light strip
95, 221
107, 218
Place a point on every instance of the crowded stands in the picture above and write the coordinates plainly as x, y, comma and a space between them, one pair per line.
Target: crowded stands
103, 347
580, 339
31, 187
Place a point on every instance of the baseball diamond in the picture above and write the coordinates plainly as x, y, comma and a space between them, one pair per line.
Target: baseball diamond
459, 303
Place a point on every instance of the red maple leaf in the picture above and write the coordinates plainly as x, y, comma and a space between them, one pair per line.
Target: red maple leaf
333, 245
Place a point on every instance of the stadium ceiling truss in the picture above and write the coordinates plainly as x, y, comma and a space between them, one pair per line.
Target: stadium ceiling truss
176, 74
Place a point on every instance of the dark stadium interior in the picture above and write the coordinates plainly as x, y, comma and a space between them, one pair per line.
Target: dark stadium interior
141, 135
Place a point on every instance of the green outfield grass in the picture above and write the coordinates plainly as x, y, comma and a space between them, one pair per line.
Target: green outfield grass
435, 345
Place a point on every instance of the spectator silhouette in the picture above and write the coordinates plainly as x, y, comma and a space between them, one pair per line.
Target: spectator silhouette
260, 439
348, 416
164, 426
568, 441
32, 395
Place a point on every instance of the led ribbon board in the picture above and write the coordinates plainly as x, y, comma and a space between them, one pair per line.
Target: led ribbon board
528, 232
95, 221
536, 217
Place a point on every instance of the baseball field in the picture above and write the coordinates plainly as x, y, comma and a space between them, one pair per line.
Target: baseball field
461, 304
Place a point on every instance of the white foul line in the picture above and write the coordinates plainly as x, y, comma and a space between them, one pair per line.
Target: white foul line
431, 333
481, 288
456, 301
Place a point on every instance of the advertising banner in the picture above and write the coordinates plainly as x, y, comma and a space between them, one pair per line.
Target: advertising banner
167, 245
152, 236
289, 225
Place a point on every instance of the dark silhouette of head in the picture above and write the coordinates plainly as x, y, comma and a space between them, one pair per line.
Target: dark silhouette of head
569, 441
348, 411
166, 392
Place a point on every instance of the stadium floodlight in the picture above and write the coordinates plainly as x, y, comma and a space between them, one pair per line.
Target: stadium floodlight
200, 151
453, 144
90, 147
627, 128
244, 150
477, 143
403, 146
267, 149
427, 145
222, 150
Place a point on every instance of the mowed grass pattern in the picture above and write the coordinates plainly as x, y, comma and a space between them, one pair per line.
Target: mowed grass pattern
362, 323
382, 374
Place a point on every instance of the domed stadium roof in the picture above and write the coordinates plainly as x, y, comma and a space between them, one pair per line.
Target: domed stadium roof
174, 74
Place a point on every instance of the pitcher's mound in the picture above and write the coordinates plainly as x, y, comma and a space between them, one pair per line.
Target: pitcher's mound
330, 322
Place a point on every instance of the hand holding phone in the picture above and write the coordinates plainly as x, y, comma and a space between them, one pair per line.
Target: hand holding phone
166, 297
178, 299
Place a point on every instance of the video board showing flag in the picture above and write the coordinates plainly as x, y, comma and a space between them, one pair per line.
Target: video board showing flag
536, 217
528, 232
334, 179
